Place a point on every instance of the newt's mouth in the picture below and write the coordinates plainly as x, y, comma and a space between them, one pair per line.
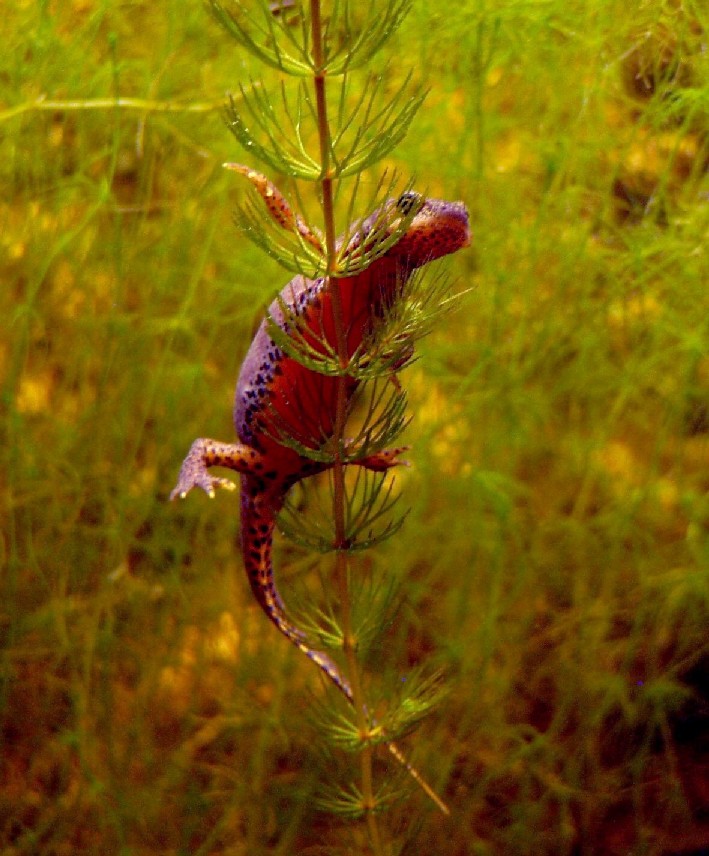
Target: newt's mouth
460, 213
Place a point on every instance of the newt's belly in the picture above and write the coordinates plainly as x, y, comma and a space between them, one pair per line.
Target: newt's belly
297, 408
280, 400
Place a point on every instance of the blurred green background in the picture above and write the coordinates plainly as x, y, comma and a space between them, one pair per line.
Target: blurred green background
556, 555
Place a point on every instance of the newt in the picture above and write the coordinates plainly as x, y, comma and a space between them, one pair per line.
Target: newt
277, 396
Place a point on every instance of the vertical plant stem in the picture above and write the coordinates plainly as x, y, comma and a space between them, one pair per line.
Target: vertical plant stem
338, 499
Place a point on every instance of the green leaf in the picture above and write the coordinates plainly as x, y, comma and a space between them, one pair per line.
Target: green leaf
264, 35
374, 126
350, 46
282, 149
418, 694
369, 502
347, 801
273, 40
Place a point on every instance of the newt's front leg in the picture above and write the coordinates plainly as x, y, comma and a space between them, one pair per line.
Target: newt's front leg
384, 460
277, 206
206, 453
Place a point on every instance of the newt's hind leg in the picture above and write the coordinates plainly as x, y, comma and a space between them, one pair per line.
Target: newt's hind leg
206, 453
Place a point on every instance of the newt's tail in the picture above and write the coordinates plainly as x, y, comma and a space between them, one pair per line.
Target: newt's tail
257, 527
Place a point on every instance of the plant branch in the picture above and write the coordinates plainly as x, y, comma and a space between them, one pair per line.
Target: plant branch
144, 105
339, 498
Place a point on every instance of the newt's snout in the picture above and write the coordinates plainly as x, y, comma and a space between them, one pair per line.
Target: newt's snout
460, 213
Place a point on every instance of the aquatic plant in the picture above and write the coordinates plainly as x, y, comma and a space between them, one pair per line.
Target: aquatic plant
337, 357
556, 549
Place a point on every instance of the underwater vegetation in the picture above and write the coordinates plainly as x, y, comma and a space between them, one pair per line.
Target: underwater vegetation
554, 561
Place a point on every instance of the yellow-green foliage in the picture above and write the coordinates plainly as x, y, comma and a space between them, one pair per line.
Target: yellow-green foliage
556, 556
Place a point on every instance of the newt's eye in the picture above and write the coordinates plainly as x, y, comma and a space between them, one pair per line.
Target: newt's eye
407, 201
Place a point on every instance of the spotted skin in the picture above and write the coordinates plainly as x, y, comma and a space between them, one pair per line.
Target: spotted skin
276, 396
277, 206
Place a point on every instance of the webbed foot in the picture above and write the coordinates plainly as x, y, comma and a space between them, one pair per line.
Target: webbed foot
203, 454
384, 460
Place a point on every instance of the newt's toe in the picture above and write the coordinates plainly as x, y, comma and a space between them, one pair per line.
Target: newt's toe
203, 481
384, 460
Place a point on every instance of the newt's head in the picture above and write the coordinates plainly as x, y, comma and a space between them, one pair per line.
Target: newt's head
437, 229
428, 229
